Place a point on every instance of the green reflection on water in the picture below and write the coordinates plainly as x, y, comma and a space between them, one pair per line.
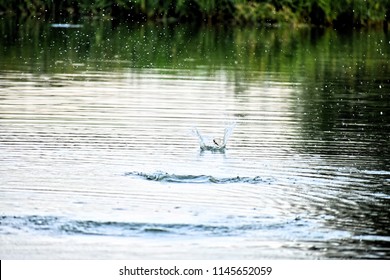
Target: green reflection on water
277, 50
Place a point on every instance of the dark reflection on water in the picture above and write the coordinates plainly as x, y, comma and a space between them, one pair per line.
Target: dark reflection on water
305, 174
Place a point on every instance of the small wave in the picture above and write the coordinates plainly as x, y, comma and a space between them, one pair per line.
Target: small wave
173, 178
292, 228
61, 225
112, 228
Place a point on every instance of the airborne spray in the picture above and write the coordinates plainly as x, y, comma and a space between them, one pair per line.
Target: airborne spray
214, 143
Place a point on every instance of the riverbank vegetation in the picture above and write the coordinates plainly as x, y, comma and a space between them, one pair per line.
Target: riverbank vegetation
342, 13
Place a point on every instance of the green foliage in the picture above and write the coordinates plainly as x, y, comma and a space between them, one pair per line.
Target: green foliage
318, 12
264, 12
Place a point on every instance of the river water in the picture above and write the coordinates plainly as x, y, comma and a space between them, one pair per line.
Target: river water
101, 157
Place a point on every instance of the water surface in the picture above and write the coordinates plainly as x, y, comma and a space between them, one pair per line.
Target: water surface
99, 158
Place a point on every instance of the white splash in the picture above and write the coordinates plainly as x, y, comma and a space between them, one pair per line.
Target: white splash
214, 143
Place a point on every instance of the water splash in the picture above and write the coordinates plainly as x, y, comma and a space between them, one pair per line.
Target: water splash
160, 176
214, 143
66, 25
